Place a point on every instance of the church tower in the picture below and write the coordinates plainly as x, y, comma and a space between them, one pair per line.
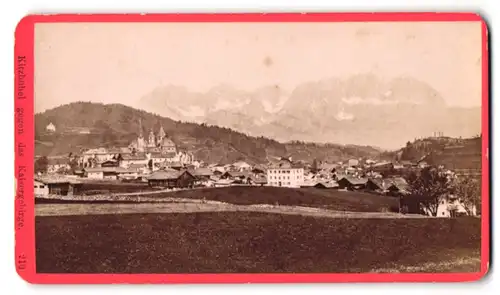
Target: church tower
140, 141
161, 135
152, 141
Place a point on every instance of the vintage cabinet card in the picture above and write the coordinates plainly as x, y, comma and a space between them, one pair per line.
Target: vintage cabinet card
262, 148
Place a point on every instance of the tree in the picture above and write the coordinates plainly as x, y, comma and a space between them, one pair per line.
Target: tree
468, 191
73, 164
315, 166
41, 164
429, 187
119, 158
64, 171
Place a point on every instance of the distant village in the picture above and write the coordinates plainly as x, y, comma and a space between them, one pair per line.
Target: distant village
156, 160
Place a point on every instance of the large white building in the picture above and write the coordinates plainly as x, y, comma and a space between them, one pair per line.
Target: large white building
285, 173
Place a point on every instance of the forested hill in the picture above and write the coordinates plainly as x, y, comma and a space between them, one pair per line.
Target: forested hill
83, 125
453, 153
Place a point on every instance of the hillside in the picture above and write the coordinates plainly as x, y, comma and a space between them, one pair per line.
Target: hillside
452, 153
116, 125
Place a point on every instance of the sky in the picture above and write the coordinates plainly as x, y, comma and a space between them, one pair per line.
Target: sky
122, 62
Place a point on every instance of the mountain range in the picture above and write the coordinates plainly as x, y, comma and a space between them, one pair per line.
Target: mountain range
362, 110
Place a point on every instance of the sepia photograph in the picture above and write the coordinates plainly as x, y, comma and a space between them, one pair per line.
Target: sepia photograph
258, 147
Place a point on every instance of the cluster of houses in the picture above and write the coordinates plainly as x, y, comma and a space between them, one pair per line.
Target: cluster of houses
158, 162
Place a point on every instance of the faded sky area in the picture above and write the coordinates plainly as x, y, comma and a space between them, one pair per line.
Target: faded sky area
120, 63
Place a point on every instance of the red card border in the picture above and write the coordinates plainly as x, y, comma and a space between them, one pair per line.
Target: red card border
24, 207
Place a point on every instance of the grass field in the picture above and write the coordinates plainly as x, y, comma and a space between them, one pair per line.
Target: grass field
244, 242
307, 197
249, 195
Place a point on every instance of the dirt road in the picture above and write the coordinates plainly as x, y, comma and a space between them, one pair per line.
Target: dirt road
192, 207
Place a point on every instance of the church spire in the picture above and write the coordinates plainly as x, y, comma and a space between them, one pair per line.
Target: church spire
140, 127
161, 133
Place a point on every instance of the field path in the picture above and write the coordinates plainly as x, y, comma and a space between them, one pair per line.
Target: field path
192, 207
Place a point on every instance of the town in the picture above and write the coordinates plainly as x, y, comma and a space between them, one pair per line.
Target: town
157, 162
323, 148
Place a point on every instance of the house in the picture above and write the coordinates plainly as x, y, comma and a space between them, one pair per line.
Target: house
451, 206
328, 167
129, 159
350, 171
352, 183
110, 173
79, 172
241, 166
171, 178
224, 182
374, 175
50, 127
258, 169
157, 159
41, 189
382, 167
377, 185
217, 173
140, 168
217, 169
127, 173
398, 186
56, 185
258, 180
97, 155
353, 163
95, 172
174, 165
285, 173
201, 173
326, 185
203, 176
238, 176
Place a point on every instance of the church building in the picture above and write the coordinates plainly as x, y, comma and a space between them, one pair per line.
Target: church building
159, 143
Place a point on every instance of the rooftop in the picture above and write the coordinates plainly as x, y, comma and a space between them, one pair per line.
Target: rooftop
54, 179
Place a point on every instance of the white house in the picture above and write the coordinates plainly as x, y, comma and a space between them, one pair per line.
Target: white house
241, 166
129, 159
95, 173
451, 206
41, 189
98, 154
352, 163
285, 173
50, 127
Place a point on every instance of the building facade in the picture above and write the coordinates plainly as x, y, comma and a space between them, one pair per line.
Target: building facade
285, 173
50, 127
